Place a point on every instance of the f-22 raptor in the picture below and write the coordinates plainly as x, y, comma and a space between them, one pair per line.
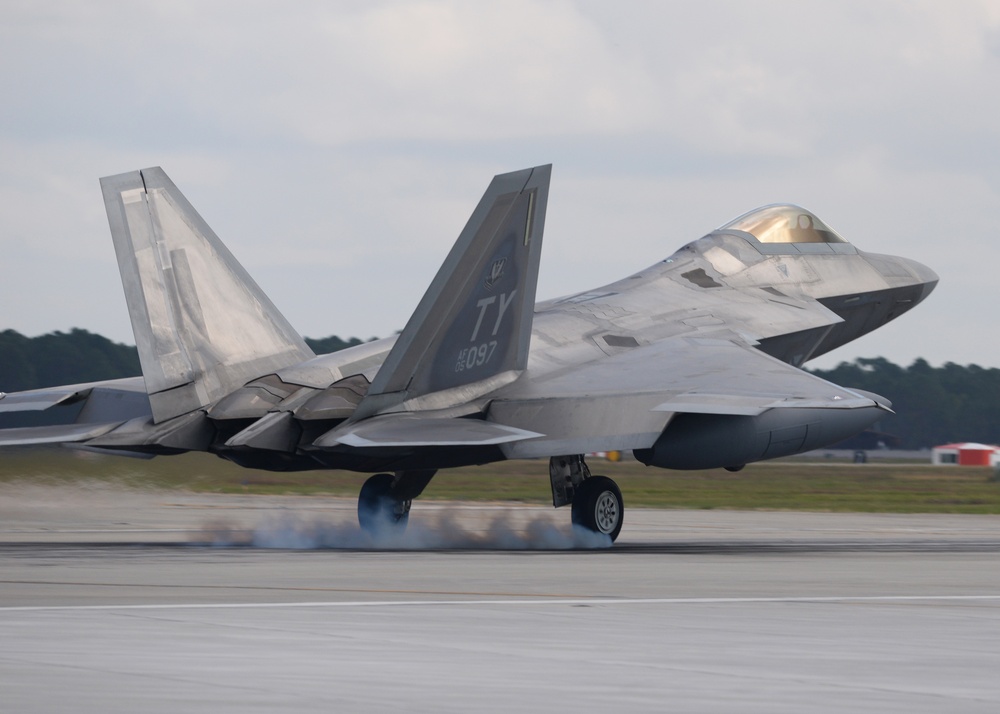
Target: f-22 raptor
692, 363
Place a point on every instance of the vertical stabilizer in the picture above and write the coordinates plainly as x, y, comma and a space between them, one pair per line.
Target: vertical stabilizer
474, 322
202, 325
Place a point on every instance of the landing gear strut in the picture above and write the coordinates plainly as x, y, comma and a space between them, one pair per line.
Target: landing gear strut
385, 500
597, 503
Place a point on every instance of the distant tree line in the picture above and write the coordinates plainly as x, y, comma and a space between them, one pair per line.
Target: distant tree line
81, 356
326, 345
933, 405
62, 358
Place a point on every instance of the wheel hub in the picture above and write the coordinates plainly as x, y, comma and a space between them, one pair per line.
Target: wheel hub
606, 512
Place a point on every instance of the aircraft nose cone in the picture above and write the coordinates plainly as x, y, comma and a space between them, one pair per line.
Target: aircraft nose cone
924, 275
894, 268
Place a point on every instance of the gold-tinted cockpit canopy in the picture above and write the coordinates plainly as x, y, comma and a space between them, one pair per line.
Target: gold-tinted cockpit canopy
784, 223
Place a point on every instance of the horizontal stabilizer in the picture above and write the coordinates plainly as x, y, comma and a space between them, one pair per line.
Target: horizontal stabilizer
41, 399
413, 431
60, 434
190, 432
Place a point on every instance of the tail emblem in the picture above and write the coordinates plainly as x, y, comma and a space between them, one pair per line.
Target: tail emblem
496, 272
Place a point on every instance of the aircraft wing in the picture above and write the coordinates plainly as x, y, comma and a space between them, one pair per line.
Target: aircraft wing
626, 401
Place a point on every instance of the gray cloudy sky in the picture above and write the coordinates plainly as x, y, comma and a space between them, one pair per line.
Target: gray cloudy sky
338, 147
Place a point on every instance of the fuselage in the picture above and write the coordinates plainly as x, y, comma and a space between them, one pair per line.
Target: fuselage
793, 295
792, 300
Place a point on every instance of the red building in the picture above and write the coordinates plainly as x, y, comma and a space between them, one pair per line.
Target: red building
966, 454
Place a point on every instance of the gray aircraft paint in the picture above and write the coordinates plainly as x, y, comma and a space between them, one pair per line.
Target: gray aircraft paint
702, 347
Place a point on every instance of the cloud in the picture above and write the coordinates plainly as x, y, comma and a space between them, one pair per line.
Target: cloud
338, 148
456, 72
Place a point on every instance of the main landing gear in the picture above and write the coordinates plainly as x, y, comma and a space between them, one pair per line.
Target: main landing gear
597, 506
385, 499
596, 501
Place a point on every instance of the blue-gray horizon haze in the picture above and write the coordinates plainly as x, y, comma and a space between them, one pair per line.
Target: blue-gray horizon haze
337, 148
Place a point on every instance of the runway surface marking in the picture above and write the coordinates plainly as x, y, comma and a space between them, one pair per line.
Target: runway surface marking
518, 602
288, 588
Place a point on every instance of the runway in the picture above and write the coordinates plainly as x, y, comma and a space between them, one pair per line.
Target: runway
115, 602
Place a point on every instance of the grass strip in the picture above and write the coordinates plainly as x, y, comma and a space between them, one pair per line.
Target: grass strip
781, 485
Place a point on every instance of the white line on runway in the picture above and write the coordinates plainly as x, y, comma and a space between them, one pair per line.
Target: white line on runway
547, 601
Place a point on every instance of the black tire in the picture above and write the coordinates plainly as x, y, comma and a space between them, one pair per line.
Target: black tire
598, 506
378, 512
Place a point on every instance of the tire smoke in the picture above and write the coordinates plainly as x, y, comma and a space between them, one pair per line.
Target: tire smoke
446, 529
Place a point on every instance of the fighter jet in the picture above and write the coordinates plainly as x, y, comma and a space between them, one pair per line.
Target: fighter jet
692, 363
